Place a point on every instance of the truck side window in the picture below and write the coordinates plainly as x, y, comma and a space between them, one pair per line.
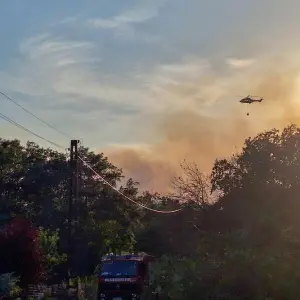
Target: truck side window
144, 271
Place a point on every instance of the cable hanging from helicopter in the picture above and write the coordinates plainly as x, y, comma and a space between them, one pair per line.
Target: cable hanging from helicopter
249, 100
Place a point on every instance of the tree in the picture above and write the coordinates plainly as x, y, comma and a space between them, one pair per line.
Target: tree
34, 183
242, 245
193, 187
49, 243
256, 181
247, 245
20, 251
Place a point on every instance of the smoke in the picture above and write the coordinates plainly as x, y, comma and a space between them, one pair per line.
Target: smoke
209, 122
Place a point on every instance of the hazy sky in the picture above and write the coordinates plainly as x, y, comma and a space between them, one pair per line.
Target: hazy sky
108, 71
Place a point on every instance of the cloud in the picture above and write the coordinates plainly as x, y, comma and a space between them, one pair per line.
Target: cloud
240, 63
58, 75
102, 23
44, 61
43, 45
65, 62
70, 73
68, 20
44, 48
124, 25
191, 83
54, 66
55, 75
144, 12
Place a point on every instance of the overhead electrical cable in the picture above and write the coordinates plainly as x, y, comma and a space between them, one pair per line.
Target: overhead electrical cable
35, 116
2, 116
125, 196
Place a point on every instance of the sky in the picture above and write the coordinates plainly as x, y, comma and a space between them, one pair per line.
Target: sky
150, 82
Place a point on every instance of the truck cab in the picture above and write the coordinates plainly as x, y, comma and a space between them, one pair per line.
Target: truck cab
123, 277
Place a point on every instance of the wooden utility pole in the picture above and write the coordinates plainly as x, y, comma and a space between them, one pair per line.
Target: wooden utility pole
73, 192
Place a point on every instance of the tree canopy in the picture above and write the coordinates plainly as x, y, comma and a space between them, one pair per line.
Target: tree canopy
236, 237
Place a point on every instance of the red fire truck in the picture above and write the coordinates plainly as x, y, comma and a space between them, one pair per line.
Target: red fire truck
123, 277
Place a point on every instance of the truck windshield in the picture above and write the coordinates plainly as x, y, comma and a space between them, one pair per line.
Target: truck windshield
119, 269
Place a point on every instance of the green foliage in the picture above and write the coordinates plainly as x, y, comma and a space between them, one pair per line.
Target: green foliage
87, 287
49, 242
34, 183
241, 242
247, 244
238, 274
9, 285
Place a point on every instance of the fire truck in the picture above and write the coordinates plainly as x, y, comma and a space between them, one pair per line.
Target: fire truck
124, 277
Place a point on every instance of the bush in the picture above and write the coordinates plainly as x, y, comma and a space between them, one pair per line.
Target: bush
252, 273
9, 285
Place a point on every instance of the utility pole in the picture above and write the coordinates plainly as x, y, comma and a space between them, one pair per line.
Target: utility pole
73, 192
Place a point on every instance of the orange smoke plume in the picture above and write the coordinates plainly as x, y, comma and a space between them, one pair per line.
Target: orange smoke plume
213, 126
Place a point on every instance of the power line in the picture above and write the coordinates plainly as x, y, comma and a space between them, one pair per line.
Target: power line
2, 116
59, 146
35, 116
122, 194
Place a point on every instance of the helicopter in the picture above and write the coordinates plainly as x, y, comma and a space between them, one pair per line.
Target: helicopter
249, 100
